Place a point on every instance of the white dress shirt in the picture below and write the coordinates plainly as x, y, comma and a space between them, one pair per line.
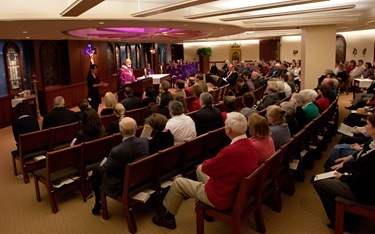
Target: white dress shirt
182, 128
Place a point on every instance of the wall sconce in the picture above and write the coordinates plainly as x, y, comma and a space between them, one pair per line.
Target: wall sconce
354, 51
364, 52
295, 52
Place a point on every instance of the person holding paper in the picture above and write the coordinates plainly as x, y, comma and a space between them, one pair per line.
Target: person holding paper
162, 138
110, 176
354, 177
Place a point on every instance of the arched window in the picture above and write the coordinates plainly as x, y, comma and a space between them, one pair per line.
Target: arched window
138, 56
110, 58
50, 68
128, 51
13, 67
118, 57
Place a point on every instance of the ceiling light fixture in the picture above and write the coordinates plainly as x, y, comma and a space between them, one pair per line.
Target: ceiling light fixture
253, 8
307, 11
329, 16
79, 7
171, 7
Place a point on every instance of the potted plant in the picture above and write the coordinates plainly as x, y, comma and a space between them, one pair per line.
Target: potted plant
204, 54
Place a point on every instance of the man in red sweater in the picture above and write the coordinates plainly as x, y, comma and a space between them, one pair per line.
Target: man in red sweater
219, 177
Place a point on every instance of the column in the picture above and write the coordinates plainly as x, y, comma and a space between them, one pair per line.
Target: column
318, 45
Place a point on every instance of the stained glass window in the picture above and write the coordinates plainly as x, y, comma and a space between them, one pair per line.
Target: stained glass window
118, 56
49, 64
14, 75
110, 58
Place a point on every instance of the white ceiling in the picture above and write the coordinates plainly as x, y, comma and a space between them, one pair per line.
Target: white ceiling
41, 19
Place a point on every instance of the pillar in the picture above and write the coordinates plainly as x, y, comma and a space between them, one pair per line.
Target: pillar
318, 45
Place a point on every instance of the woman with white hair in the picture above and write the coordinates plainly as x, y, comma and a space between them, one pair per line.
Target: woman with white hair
271, 97
298, 100
290, 110
311, 110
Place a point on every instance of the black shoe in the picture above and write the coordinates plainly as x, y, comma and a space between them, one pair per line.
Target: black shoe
97, 208
208, 218
350, 108
161, 221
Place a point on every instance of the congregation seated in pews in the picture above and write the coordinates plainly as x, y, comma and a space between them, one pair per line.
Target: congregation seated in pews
189, 153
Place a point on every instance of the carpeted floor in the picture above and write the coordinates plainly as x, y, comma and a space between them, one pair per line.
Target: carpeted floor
21, 213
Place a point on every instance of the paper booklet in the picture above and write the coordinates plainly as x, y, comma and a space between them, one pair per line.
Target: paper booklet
345, 129
143, 196
146, 132
103, 161
323, 176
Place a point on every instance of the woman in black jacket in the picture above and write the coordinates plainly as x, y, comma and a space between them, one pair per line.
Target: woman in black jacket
354, 177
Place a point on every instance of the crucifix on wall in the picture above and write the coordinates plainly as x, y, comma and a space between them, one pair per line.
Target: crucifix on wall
90, 51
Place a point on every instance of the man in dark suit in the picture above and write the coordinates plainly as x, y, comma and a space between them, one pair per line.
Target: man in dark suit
208, 118
230, 77
110, 176
130, 102
58, 115
25, 123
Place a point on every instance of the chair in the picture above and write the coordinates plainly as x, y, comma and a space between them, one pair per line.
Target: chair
61, 174
344, 205
63, 135
93, 153
247, 202
139, 175
31, 145
138, 115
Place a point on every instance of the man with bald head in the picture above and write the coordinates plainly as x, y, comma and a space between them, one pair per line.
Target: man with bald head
110, 176
126, 74
59, 115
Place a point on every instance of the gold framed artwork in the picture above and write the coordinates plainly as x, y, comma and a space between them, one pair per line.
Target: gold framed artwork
235, 52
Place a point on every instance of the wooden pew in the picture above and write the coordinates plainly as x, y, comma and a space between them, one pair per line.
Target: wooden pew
139, 175
93, 152
62, 136
60, 165
138, 115
247, 203
31, 145
193, 154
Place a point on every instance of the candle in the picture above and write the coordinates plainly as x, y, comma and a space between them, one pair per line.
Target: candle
145, 70
161, 69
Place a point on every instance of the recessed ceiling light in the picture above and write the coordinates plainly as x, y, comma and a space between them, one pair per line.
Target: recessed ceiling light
27, 37
221, 28
101, 22
185, 25
24, 32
